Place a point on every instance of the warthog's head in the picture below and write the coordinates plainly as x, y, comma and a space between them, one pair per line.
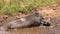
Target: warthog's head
40, 19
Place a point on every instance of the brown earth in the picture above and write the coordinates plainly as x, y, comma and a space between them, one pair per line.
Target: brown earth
51, 11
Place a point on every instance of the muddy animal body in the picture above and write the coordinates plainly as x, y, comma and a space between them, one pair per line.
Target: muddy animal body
35, 19
31, 20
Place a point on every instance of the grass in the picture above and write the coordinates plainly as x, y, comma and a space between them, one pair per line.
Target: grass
11, 7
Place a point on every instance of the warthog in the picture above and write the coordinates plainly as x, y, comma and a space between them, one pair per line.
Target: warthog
28, 21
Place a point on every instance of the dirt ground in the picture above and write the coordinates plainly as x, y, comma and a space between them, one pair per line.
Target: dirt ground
50, 11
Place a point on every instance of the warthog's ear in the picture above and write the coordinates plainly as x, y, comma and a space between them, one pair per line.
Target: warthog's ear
37, 14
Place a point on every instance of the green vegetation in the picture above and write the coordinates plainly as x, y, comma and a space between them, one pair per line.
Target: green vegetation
11, 7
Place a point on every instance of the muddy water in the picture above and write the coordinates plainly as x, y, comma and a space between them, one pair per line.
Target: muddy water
33, 30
